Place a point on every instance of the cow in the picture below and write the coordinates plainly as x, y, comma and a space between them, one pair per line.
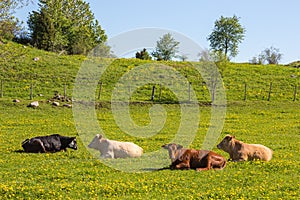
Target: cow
51, 143
240, 151
115, 149
200, 160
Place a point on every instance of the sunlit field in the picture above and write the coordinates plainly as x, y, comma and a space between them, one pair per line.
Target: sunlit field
79, 175
262, 107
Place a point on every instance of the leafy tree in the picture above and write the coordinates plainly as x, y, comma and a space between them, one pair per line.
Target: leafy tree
258, 60
65, 25
9, 25
43, 31
143, 55
270, 55
226, 36
166, 48
205, 55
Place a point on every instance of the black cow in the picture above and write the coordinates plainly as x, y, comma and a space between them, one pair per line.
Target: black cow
51, 143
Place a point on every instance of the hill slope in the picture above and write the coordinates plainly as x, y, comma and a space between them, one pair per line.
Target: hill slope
24, 67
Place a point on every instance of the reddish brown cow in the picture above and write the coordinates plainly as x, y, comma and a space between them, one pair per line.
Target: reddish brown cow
199, 160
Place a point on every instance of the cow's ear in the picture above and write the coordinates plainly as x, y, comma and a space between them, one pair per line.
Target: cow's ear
99, 136
229, 137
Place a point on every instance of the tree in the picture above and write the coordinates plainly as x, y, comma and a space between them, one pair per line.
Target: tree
166, 48
9, 25
205, 55
143, 55
43, 30
258, 60
270, 55
226, 36
67, 25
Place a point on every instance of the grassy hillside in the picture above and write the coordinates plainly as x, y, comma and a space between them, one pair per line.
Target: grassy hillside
52, 72
80, 175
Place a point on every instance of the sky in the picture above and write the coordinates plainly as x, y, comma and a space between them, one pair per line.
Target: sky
267, 22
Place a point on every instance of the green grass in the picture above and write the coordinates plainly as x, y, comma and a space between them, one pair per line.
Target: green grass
81, 175
53, 72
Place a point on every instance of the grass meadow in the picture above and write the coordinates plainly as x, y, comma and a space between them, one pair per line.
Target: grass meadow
79, 175
268, 118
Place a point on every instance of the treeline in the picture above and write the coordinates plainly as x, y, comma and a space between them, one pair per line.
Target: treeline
66, 26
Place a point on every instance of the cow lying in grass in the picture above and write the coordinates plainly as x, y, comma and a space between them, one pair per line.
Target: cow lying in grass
115, 149
51, 143
240, 151
199, 160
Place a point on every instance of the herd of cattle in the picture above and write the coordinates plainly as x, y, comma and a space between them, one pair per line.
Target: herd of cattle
181, 158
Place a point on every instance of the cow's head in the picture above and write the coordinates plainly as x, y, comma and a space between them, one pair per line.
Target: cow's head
73, 143
173, 149
226, 143
95, 143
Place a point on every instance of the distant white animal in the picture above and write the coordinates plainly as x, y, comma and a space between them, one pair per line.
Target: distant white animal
115, 149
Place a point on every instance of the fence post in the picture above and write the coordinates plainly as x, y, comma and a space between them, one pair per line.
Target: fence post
245, 92
295, 93
129, 88
100, 90
213, 90
153, 92
31, 91
65, 91
160, 91
1, 94
270, 91
189, 92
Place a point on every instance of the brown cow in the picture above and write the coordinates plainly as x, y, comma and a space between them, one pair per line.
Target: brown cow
240, 151
199, 160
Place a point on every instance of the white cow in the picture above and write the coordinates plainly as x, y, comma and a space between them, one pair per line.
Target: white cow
115, 149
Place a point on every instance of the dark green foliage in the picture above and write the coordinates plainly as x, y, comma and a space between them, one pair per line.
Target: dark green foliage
43, 31
143, 55
226, 36
65, 26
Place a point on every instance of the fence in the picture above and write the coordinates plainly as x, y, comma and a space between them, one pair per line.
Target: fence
151, 92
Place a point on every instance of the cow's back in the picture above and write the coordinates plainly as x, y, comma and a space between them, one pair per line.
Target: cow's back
51, 142
258, 151
126, 149
198, 158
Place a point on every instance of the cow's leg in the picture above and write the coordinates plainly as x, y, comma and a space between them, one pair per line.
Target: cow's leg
107, 155
183, 165
208, 167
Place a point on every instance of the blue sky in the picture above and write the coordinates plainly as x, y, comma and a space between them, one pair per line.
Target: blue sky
267, 22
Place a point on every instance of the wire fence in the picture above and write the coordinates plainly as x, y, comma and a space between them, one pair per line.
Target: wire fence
272, 91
